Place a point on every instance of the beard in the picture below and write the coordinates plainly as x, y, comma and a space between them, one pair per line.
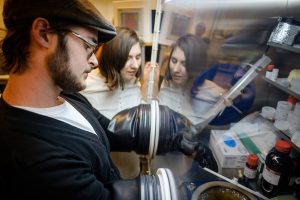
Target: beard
60, 70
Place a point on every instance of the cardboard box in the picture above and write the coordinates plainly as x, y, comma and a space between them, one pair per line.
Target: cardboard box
228, 149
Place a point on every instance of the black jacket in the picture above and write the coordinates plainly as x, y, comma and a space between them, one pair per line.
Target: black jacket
43, 158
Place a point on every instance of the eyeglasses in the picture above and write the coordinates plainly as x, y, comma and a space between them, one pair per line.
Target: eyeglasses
91, 45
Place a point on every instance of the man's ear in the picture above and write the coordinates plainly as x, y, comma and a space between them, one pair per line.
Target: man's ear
40, 26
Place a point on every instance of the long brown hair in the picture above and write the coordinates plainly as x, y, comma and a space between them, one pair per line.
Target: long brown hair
193, 51
114, 55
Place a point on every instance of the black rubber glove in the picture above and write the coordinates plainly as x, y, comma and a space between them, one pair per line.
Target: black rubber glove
126, 189
205, 158
130, 129
189, 142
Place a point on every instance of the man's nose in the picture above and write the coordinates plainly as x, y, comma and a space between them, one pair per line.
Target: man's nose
93, 61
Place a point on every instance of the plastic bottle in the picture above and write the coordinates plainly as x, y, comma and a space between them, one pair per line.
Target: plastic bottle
277, 169
250, 169
269, 70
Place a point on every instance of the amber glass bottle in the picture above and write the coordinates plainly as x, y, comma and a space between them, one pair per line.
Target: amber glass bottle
277, 169
250, 168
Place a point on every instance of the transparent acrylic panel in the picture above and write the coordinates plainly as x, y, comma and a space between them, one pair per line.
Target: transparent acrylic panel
210, 53
206, 47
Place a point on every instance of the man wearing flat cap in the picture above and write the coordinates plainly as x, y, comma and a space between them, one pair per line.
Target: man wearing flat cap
53, 143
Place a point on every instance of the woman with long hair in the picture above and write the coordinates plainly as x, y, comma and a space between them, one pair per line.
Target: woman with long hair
116, 85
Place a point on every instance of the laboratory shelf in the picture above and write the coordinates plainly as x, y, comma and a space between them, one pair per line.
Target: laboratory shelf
295, 49
282, 87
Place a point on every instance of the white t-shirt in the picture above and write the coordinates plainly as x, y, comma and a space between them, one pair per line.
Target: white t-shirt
64, 112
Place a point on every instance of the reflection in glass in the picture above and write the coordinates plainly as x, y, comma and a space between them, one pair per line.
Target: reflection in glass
227, 40
186, 58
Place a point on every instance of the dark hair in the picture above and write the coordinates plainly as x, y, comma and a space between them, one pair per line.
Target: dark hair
194, 52
200, 29
114, 55
15, 46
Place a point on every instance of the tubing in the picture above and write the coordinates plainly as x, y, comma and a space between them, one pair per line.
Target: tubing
154, 51
234, 91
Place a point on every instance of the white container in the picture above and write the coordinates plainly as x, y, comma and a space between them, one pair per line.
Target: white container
282, 110
297, 108
295, 85
294, 122
268, 112
274, 74
296, 138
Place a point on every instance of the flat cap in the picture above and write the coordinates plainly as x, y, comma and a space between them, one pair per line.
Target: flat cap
79, 12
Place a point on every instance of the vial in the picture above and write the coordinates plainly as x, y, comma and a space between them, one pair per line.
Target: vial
250, 168
269, 70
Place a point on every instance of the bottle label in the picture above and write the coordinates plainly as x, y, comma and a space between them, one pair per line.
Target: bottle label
268, 74
250, 173
271, 176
